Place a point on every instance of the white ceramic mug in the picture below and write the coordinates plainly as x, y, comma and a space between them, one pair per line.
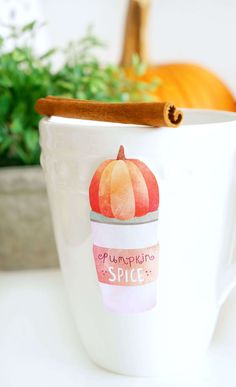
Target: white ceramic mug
195, 166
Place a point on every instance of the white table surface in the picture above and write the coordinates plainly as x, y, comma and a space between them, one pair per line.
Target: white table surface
40, 347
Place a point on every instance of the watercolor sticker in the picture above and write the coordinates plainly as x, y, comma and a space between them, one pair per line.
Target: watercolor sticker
124, 200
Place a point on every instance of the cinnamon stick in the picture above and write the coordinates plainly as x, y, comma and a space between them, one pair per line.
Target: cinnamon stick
140, 113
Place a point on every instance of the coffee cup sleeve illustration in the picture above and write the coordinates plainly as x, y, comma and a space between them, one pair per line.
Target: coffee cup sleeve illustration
124, 200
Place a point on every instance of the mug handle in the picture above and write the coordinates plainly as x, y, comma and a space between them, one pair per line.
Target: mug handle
228, 275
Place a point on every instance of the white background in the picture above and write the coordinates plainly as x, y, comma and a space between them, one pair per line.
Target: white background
192, 30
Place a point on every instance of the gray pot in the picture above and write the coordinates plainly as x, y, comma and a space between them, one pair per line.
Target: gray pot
26, 236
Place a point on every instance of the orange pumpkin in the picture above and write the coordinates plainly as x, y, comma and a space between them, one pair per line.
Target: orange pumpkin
123, 188
184, 84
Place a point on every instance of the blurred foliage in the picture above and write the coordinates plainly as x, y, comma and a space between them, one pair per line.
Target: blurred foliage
26, 76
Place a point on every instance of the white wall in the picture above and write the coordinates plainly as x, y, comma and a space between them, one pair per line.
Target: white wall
194, 30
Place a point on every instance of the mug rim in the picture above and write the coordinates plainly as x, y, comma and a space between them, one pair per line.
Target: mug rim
227, 117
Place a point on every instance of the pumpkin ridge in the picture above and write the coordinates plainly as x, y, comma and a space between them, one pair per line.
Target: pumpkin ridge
216, 84
94, 186
105, 190
151, 183
122, 195
194, 78
140, 189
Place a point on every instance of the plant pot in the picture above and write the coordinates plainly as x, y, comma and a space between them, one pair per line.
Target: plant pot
26, 235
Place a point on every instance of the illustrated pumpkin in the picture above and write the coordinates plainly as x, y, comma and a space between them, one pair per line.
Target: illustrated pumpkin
184, 84
123, 188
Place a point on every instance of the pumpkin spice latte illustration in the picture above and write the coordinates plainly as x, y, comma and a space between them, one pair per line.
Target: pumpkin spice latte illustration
124, 200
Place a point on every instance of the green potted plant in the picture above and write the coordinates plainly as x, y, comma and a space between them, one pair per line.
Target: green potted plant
25, 226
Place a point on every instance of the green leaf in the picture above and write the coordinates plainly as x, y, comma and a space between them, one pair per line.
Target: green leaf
23, 156
19, 55
138, 65
65, 85
16, 127
31, 139
5, 82
5, 143
48, 53
5, 105
29, 26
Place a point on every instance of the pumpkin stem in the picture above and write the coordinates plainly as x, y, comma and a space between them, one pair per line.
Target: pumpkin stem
135, 34
121, 153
